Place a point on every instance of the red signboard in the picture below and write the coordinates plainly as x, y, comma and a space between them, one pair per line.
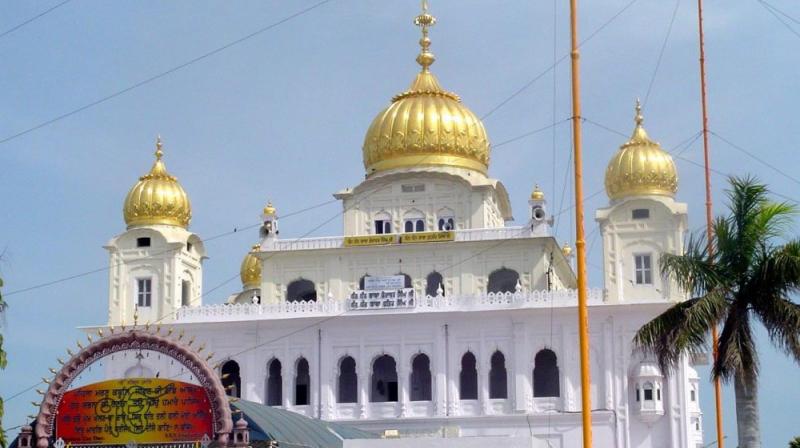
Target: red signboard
142, 410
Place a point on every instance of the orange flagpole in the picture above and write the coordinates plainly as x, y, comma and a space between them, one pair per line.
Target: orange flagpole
580, 238
709, 211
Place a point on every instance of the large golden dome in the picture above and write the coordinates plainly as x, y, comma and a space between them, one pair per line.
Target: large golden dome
250, 272
426, 125
641, 167
157, 198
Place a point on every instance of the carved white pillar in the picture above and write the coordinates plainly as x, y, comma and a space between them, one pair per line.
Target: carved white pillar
440, 374
519, 368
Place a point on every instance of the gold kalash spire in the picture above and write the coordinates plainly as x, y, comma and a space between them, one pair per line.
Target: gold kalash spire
426, 125
158, 198
641, 167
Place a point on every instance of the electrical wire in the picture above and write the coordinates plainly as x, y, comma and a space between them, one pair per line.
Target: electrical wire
772, 10
532, 81
661, 52
36, 17
164, 73
756, 158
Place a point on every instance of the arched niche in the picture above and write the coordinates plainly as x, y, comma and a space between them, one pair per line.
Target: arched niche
134, 340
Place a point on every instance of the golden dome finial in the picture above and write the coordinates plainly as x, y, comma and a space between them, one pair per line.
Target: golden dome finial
537, 193
157, 198
159, 153
269, 209
426, 125
641, 166
425, 21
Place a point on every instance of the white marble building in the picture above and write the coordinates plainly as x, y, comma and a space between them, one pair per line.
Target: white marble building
429, 315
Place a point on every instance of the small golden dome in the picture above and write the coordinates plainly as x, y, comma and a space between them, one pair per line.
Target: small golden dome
269, 210
426, 125
537, 194
566, 249
250, 271
157, 198
641, 167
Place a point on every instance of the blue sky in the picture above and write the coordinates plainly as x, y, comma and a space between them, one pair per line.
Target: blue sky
282, 116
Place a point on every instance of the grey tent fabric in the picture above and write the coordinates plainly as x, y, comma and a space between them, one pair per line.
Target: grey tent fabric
294, 430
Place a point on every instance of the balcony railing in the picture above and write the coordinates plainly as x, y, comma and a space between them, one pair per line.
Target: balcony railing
403, 300
336, 242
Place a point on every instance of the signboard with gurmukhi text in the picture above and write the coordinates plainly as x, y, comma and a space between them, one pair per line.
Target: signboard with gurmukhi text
142, 410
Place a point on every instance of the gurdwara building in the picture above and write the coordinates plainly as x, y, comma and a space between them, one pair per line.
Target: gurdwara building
429, 317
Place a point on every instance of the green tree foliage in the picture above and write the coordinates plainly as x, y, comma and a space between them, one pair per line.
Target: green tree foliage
749, 277
795, 443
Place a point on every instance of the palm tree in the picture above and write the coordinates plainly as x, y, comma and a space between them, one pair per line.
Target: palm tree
750, 275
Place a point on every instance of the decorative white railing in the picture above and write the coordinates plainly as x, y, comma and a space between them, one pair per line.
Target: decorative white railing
402, 302
336, 242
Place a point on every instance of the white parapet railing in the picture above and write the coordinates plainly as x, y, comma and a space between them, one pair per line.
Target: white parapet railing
385, 302
336, 242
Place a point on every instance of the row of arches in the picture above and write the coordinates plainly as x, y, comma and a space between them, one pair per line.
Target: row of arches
414, 221
502, 280
383, 381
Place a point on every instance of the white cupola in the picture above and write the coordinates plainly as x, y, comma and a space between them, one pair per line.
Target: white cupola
648, 384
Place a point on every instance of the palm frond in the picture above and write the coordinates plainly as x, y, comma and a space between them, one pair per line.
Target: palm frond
736, 351
692, 271
680, 329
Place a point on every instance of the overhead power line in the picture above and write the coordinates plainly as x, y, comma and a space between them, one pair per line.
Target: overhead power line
661, 52
34, 18
164, 73
775, 11
531, 82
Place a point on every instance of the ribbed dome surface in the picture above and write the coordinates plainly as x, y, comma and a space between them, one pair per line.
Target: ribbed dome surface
426, 126
641, 167
250, 271
157, 198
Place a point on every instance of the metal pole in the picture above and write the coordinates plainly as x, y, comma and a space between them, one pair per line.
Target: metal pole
709, 211
580, 238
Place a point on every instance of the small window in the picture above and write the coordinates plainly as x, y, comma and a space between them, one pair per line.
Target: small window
186, 291
658, 394
414, 225
188, 247
447, 223
143, 241
648, 392
638, 395
144, 292
693, 395
383, 226
413, 188
643, 269
641, 213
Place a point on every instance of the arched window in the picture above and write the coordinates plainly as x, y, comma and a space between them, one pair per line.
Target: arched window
447, 224
362, 281
383, 223
648, 391
503, 280
301, 289
433, 282
420, 380
302, 383
348, 380
384, 380
414, 221
498, 379
406, 280
186, 293
468, 378
274, 383
231, 379
545, 374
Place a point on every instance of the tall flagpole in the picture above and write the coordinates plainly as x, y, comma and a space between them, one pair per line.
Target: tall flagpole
709, 211
580, 238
